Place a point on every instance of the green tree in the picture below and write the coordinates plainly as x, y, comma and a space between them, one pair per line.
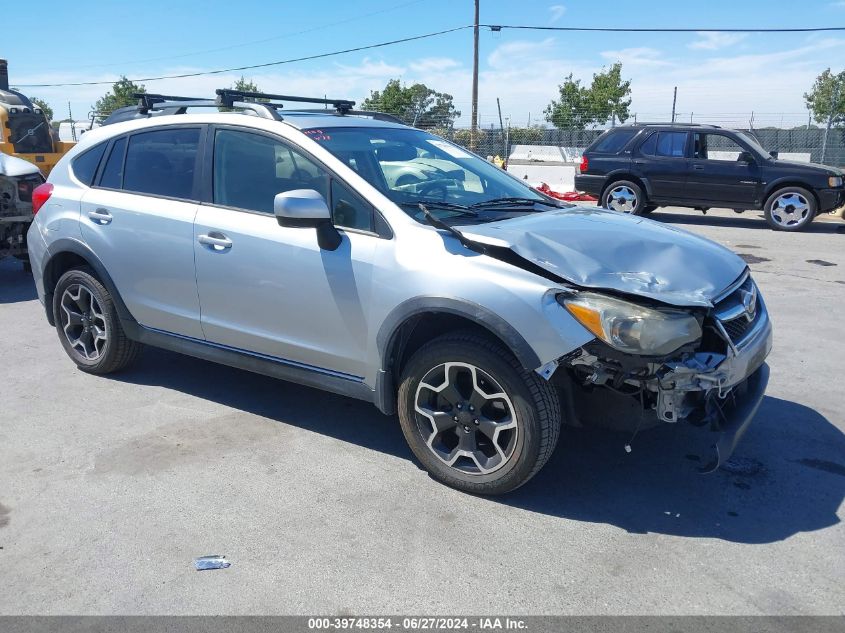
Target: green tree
610, 97
417, 105
119, 97
607, 99
45, 107
246, 85
820, 99
572, 110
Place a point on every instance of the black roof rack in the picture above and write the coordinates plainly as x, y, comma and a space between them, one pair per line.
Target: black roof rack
228, 96
263, 104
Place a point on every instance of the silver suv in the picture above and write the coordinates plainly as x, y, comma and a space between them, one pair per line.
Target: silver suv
345, 251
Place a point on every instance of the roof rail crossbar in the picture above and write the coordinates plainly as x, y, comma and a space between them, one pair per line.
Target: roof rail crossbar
147, 100
226, 96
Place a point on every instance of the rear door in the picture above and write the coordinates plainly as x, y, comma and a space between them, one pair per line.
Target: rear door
723, 171
661, 159
138, 218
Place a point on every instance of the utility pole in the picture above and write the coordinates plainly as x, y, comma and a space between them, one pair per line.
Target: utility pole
674, 101
473, 133
834, 99
501, 124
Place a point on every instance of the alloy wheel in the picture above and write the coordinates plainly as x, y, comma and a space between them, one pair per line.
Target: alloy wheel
790, 209
83, 322
466, 418
622, 199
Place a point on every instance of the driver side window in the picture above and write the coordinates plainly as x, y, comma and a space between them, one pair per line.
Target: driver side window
250, 169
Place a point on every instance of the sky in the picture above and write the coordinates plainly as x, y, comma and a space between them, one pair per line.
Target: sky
721, 78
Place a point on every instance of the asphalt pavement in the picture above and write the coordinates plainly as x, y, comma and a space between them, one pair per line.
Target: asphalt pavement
111, 486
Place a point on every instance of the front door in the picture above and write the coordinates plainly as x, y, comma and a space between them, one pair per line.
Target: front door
139, 219
662, 161
723, 171
272, 290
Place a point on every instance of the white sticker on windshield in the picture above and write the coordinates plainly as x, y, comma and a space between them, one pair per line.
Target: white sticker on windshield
450, 149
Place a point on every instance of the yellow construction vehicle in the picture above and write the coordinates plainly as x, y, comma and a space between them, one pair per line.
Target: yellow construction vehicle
24, 129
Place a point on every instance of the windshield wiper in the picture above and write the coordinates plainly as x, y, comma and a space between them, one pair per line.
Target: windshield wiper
448, 206
502, 202
440, 224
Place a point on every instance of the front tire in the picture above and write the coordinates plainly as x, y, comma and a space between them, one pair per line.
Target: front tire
475, 418
88, 326
790, 209
624, 196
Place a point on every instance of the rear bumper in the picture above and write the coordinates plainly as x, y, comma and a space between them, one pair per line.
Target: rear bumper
830, 199
589, 183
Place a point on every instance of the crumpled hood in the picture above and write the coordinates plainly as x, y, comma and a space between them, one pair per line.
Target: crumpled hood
601, 249
15, 167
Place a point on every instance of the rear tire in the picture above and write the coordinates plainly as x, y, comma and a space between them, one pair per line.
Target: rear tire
475, 418
790, 209
88, 326
624, 196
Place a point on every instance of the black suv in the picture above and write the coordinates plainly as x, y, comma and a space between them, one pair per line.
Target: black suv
637, 168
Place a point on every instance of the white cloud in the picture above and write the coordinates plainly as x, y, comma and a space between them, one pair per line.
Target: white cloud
526, 54
709, 41
556, 12
433, 64
641, 56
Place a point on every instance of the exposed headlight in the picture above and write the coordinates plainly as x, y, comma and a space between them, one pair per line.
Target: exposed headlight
834, 181
630, 327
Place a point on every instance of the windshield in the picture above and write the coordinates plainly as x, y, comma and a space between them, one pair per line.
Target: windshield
410, 166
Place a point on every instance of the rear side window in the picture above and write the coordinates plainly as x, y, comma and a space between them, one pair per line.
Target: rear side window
615, 141
85, 165
671, 144
112, 177
162, 162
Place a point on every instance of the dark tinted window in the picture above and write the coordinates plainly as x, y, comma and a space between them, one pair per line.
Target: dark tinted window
113, 172
250, 169
85, 165
162, 162
348, 210
649, 146
672, 144
615, 141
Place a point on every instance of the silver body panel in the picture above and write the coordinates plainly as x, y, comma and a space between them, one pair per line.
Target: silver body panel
275, 293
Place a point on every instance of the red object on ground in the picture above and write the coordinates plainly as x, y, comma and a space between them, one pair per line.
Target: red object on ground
569, 196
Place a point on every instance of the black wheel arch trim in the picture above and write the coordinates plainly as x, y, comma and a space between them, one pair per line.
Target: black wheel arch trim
787, 181
616, 176
387, 338
79, 248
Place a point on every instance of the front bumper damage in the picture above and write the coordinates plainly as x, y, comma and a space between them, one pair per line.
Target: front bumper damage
716, 389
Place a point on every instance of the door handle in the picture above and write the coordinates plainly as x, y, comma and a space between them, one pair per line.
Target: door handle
698, 167
100, 216
216, 241
639, 162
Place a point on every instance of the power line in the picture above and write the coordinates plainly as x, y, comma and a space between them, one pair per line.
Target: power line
604, 29
492, 27
252, 66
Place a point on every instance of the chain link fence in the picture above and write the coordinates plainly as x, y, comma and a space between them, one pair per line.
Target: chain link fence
802, 143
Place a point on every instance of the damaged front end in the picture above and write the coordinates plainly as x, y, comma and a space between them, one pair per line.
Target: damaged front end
716, 382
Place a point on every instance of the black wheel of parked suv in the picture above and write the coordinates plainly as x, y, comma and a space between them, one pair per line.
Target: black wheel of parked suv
790, 209
88, 326
476, 419
624, 196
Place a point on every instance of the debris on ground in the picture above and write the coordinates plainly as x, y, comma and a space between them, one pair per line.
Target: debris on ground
569, 196
211, 562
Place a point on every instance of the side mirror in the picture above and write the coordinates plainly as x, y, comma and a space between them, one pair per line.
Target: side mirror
745, 157
306, 208
773, 154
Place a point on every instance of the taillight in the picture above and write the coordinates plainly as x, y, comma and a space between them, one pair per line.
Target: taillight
25, 190
584, 166
40, 195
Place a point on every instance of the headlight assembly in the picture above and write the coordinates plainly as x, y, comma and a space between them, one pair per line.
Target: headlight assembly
632, 328
834, 181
